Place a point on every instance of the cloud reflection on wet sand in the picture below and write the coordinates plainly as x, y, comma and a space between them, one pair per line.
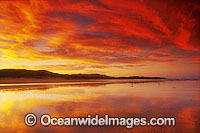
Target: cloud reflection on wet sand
119, 100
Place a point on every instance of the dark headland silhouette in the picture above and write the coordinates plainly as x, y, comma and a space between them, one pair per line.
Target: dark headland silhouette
23, 73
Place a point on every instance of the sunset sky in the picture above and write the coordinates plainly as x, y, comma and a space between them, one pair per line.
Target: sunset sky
112, 37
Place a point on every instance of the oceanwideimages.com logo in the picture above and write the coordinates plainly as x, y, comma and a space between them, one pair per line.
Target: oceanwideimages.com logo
129, 122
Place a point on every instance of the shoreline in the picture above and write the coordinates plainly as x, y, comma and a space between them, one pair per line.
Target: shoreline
37, 80
61, 80
28, 84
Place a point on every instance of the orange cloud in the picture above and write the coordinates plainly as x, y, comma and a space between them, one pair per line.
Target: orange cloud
100, 32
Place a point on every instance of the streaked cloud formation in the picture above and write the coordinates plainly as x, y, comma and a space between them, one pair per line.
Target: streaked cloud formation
114, 37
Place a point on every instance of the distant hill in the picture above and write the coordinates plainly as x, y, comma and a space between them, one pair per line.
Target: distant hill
23, 73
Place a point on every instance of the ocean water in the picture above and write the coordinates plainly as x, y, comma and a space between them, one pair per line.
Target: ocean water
179, 99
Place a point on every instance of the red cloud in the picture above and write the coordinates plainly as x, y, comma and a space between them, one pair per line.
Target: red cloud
100, 31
